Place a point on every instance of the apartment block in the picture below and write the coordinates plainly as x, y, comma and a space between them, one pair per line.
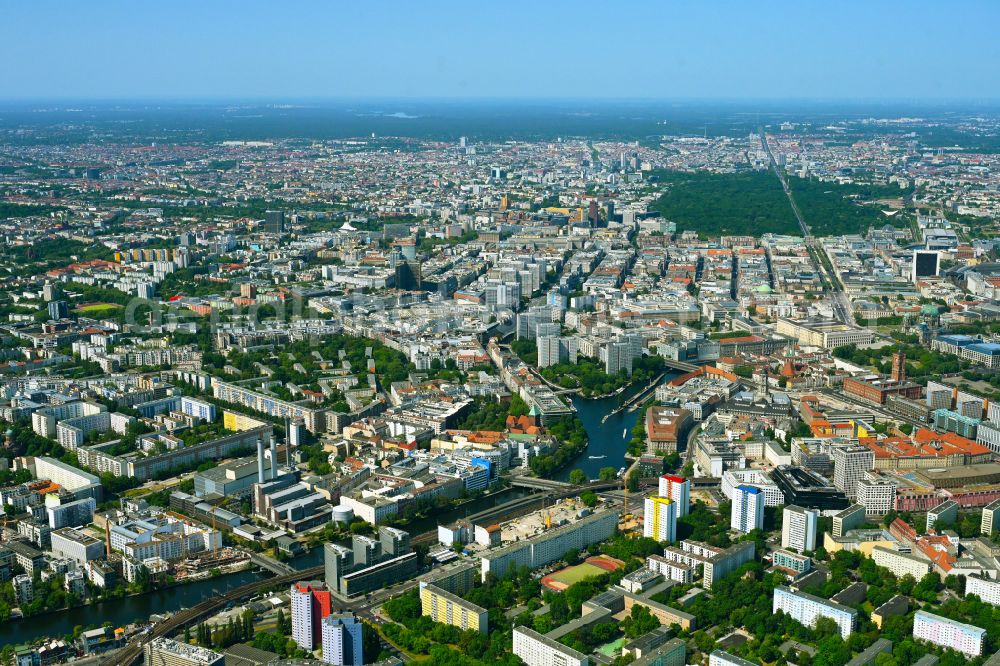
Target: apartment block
964, 638
798, 528
534, 649
447, 608
659, 519
901, 564
807, 609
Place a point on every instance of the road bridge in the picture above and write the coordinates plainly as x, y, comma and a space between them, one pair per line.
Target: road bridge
538, 484
271, 564
680, 365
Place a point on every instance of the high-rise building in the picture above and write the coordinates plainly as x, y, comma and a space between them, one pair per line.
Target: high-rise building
964, 638
946, 512
807, 609
51, 291
748, 509
848, 519
547, 347
877, 494
798, 528
393, 542
337, 560
310, 604
991, 518
58, 310
659, 519
167, 652
849, 466
678, 489
367, 551
342, 640
274, 222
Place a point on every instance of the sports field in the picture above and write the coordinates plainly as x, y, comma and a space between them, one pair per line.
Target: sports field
98, 309
592, 566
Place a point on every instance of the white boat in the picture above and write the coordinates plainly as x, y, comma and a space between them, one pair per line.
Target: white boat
621, 472
597, 457
624, 433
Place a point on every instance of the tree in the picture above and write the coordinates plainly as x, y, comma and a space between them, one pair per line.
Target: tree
607, 474
578, 477
589, 498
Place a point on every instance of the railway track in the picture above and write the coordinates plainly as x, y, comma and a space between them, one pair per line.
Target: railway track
133, 651
128, 655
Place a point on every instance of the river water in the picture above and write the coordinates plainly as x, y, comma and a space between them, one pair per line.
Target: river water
607, 440
130, 609
606, 448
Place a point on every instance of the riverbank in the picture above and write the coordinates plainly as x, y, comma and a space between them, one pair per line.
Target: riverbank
608, 429
123, 610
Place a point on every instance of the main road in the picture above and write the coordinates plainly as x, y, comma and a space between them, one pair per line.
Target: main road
839, 302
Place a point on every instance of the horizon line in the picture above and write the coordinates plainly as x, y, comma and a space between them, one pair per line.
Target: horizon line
286, 99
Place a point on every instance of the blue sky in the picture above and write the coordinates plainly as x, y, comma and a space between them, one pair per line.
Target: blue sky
287, 49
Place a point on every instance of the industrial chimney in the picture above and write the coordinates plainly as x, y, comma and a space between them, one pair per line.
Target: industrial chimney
260, 460
274, 456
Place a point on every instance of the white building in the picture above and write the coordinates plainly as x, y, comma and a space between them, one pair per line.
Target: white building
798, 528
901, 564
302, 617
70, 514
678, 489
939, 630
991, 518
76, 545
758, 478
24, 591
550, 545
986, 589
807, 609
342, 644
723, 658
748, 509
534, 649
75, 480
849, 466
167, 652
659, 519
876, 494
166, 538
75, 582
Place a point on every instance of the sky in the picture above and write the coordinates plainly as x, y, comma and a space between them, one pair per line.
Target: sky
656, 49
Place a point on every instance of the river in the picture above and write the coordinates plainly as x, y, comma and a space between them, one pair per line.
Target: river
608, 440
130, 609
606, 448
